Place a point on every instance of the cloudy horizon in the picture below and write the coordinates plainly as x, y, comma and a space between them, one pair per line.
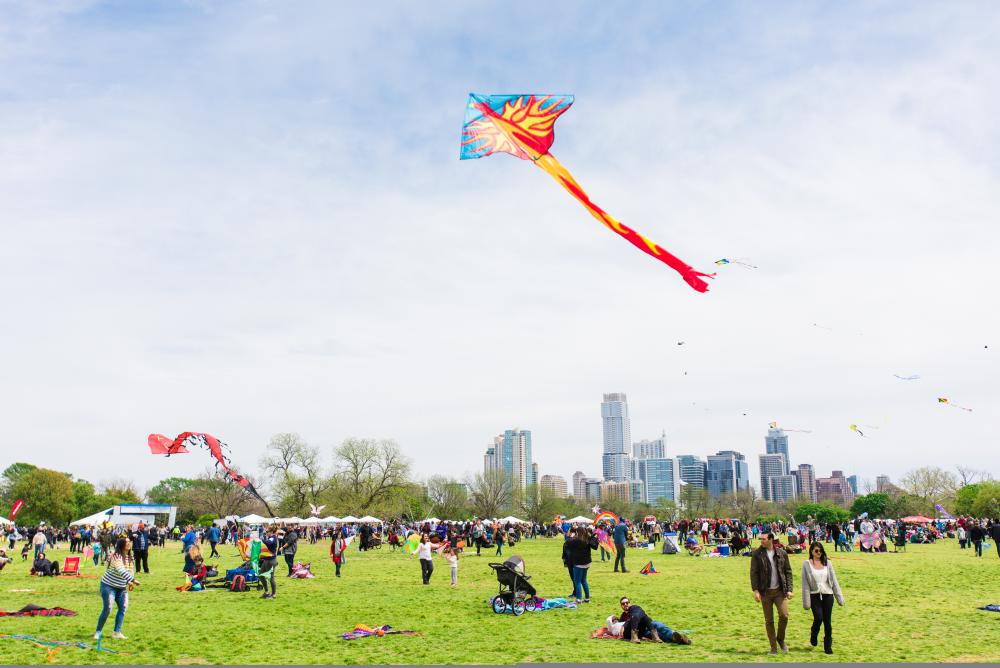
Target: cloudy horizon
250, 218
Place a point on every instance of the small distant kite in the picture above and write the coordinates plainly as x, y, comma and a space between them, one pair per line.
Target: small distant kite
728, 260
944, 513
913, 377
680, 343
523, 126
595, 510
855, 429
161, 445
16, 509
774, 425
943, 400
316, 510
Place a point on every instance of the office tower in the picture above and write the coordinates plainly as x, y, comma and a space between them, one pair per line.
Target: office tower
694, 471
593, 489
771, 466
781, 488
511, 453
834, 489
852, 480
492, 458
805, 478
579, 485
555, 484
727, 472
661, 478
882, 483
650, 449
776, 442
617, 437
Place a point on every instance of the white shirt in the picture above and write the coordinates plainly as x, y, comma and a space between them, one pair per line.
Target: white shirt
774, 571
453, 560
616, 628
822, 579
424, 551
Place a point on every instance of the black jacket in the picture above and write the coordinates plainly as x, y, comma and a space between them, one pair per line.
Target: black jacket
760, 570
578, 551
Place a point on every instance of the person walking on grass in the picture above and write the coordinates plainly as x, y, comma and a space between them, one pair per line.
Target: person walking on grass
819, 589
620, 535
976, 534
578, 550
214, 533
771, 582
453, 562
289, 546
995, 534
118, 580
337, 548
426, 558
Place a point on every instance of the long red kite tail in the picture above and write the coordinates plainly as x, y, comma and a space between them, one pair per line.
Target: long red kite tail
691, 276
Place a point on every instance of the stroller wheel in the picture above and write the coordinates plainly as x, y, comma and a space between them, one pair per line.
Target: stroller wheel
518, 607
498, 604
530, 605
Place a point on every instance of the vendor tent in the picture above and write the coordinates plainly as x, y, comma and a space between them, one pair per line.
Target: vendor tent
96, 518
292, 520
917, 519
254, 519
4, 520
347, 519
580, 519
512, 520
432, 520
311, 521
369, 518
331, 520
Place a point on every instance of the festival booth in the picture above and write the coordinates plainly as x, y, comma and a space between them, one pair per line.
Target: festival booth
93, 520
580, 519
369, 518
292, 520
511, 519
331, 520
349, 519
4, 521
253, 519
311, 521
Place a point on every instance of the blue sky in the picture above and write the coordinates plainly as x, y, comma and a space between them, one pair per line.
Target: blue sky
248, 218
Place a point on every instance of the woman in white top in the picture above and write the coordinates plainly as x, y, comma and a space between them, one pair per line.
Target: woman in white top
426, 559
819, 588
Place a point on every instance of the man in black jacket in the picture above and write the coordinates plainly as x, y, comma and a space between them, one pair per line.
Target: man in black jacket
995, 533
140, 548
771, 582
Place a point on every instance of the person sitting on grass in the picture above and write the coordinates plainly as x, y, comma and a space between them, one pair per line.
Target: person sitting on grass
692, 546
635, 624
4, 559
44, 567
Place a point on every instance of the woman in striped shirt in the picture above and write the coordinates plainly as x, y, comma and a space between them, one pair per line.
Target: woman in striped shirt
115, 586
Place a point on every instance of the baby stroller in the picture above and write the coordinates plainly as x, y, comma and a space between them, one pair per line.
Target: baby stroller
515, 592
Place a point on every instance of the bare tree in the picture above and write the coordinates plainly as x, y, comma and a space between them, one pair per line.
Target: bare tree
930, 482
448, 497
371, 471
212, 494
867, 486
491, 493
968, 475
747, 504
295, 471
695, 501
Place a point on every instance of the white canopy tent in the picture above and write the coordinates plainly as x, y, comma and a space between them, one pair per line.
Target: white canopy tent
96, 518
347, 519
431, 519
254, 519
311, 521
369, 518
512, 520
580, 519
331, 520
4, 520
292, 520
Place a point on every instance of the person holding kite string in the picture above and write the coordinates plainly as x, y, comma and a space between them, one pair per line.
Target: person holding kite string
118, 580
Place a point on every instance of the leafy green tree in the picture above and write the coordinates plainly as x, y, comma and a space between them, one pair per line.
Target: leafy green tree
48, 496
85, 499
824, 513
538, 504
987, 502
449, 498
903, 505
874, 504
169, 490
965, 498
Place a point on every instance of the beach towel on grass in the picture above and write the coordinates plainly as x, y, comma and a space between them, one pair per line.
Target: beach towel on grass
992, 607
32, 610
362, 631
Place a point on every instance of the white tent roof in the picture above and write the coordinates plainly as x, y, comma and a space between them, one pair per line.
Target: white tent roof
349, 519
369, 518
4, 520
96, 518
512, 519
431, 519
254, 519
311, 520
580, 519
292, 520
330, 520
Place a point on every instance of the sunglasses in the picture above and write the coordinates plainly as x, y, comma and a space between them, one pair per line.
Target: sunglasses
624, 602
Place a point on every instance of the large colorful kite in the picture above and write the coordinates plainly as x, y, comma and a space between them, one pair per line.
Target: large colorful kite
161, 445
523, 126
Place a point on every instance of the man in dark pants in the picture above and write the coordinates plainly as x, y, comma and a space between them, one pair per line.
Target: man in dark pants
771, 581
140, 548
995, 533
214, 533
620, 535
637, 623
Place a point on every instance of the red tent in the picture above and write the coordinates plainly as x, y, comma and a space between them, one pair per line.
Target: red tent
917, 519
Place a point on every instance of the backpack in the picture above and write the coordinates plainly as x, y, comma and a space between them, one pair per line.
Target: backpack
238, 584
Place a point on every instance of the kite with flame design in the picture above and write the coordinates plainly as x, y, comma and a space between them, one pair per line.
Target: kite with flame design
523, 126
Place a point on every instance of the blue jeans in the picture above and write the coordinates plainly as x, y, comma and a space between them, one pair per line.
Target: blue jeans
979, 548
580, 582
111, 595
666, 633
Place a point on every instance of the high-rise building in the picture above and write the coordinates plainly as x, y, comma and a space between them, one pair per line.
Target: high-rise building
650, 449
834, 489
727, 473
694, 471
511, 453
593, 489
555, 484
630, 491
806, 481
776, 442
617, 436
771, 466
852, 480
882, 483
781, 488
662, 479
579, 485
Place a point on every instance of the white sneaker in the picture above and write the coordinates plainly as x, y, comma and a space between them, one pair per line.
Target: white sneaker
118, 635
97, 636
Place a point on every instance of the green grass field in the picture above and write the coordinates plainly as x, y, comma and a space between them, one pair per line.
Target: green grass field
914, 606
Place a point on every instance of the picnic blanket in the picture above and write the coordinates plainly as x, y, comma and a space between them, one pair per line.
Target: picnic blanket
32, 610
362, 631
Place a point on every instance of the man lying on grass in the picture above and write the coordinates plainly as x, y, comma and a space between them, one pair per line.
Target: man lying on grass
635, 624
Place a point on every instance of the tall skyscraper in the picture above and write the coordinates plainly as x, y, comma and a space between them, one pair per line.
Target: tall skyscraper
511, 453
694, 471
852, 480
776, 442
579, 485
805, 477
727, 473
782, 488
771, 466
834, 489
662, 479
555, 484
650, 449
617, 436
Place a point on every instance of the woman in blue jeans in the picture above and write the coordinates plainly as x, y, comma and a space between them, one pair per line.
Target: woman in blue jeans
118, 580
578, 549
